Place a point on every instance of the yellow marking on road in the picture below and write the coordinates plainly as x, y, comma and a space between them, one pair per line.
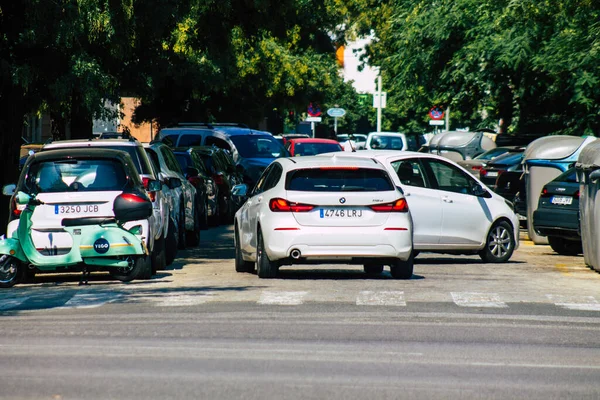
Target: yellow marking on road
563, 269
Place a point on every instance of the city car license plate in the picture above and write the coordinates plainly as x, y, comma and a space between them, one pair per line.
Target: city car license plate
340, 213
562, 200
81, 209
492, 174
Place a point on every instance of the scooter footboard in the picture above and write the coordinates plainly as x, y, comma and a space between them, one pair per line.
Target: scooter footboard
13, 248
106, 262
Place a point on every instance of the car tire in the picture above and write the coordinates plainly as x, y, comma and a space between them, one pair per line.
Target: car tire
159, 259
373, 269
402, 269
565, 247
140, 266
241, 265
11, 271
499, 243
171, 243
265, 268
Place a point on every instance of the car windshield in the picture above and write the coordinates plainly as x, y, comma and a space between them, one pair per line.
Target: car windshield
258, 146
569, 176
311, 149
137, 154
386, 142
75, 175
510, 158
338, 180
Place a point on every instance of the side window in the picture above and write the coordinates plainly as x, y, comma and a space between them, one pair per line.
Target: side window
170, 160
154, 162
199, 163
262, 181
449, 178
220, 143
273, 177
190, 140
410, 172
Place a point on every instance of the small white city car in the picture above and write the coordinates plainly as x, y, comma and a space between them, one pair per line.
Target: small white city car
317, 210
452, 211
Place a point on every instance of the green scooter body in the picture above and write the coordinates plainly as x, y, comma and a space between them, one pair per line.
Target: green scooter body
101, 245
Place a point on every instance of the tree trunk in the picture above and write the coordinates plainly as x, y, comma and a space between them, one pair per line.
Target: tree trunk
81, 119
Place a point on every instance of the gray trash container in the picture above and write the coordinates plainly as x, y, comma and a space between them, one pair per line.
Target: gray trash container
434, 142
546, 158
459, 146
588, 173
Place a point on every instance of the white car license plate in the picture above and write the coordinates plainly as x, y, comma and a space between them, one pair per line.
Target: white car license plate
81, 209
340, 213
562, 200
492, 174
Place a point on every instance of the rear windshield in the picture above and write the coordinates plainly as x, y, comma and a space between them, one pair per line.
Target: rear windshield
258, 146
386, 142
569, 176
311, 149
338, 180
76, 176
138, 155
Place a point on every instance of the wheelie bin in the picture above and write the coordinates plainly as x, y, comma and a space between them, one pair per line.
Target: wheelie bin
458, 146
546, 158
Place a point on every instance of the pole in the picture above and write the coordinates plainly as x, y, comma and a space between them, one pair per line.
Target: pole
335, 125
312, 128
379, 104
448, 119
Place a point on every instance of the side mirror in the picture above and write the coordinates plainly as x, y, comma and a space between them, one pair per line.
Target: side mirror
174, 183
9, 190
595, 175
240, 190
478, 190
154, 185
131, 207
191, 172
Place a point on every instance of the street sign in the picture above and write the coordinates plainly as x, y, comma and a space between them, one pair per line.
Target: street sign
336, 112
313, 119
376, 99
314, 110
436, 122
436, 113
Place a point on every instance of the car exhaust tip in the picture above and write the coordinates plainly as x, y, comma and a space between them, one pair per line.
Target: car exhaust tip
295, 254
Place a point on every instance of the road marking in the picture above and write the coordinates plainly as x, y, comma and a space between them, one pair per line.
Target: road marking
469, 299
383, 298
582, 303
91, 300
282, 298
6, 304
183, 299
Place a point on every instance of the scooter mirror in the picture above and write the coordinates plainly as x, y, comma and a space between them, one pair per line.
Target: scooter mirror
22, 198
9, 190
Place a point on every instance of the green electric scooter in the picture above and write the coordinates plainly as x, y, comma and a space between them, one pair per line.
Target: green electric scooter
99, 243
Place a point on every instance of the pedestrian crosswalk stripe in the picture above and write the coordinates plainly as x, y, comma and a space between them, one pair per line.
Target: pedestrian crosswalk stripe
282, 298
583, 303
381, 298
7, 304
470, 299
182, 299
91, 300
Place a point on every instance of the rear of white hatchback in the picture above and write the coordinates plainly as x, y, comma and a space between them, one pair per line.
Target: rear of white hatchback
324, 210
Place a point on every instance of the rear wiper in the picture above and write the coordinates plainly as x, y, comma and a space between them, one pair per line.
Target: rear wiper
352, 189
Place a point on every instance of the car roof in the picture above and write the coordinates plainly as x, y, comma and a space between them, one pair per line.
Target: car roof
229, 129
313, 140
385, 154
387, 134
333, 160
90, 143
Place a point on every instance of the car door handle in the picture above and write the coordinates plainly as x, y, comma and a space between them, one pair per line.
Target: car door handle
447, 199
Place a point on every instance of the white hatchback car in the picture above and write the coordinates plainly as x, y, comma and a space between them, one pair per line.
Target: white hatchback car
452, 211
317, 209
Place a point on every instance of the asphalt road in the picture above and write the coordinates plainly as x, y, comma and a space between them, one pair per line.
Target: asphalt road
458, 329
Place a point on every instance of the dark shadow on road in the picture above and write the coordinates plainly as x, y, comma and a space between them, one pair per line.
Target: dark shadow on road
458, 260
335, 274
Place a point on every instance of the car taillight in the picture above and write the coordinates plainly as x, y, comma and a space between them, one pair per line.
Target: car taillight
194, 180
544, 193
477, 167
399, 205
218, 178
146, 182
132, 198
16, 209
576, 195
483, 172
282, 205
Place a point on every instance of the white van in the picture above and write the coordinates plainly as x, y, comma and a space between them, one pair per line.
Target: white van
386, 141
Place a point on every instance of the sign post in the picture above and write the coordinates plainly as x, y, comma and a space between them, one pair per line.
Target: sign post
336, 113
436, 113
379, 102
314, 115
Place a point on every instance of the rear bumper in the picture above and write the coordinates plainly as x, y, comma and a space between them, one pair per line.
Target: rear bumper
557, 222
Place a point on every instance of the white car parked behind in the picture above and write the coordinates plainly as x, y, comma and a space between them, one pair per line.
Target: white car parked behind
452, 211
317, 209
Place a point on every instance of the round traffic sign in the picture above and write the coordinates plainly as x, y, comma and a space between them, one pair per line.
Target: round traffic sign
436, 112
314, 110
336, 112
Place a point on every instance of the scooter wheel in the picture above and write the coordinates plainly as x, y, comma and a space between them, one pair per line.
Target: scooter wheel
135, 269
10, 271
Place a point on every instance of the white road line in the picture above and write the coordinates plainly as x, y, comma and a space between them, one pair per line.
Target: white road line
582, 303
282, 298
183, 299
383, 298
469, 299
91, 300
6, 304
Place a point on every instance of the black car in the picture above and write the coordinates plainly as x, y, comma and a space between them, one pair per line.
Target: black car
198, 175
557, 216
502, 173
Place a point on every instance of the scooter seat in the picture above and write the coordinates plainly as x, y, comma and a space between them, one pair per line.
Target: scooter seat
87, 221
